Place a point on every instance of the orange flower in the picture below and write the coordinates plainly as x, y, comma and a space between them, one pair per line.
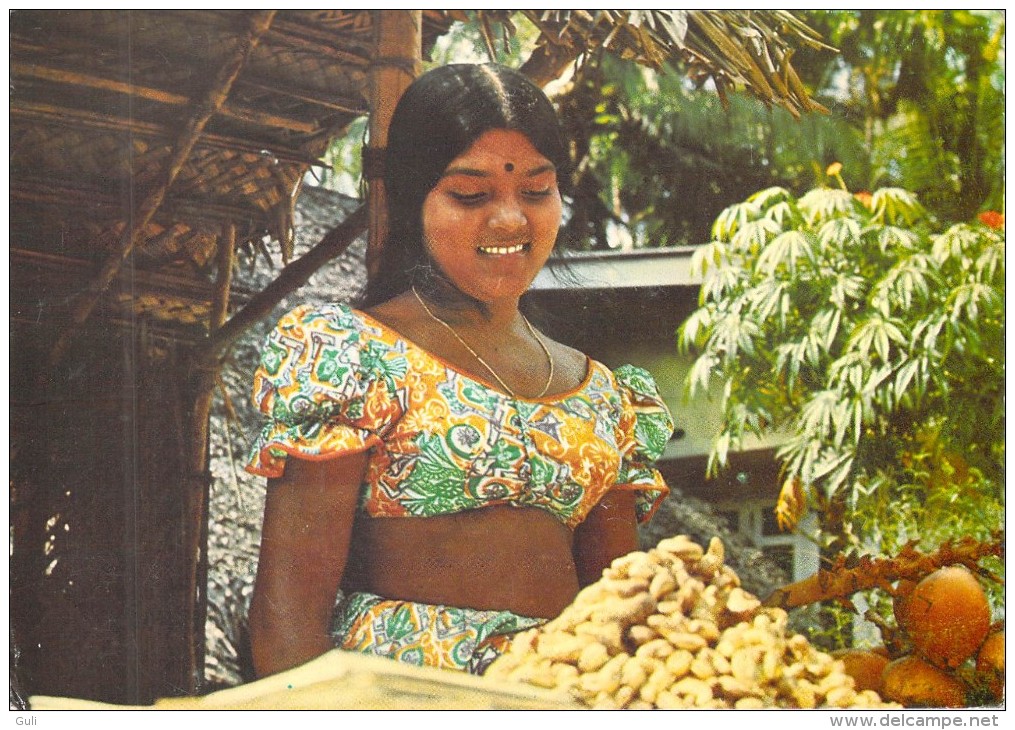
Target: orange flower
864, 197
992, 219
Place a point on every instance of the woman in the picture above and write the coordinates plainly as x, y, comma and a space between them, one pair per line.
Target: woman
455, 472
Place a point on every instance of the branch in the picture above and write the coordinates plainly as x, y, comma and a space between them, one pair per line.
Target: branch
292, 277
841, 582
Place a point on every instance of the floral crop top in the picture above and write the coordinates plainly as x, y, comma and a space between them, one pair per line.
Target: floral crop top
335, 381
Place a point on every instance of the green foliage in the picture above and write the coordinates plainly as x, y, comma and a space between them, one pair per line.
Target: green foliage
343, 161
872, 343
925, 88
661, 158
916, 100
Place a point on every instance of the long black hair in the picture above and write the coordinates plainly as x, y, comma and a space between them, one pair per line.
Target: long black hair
437, 119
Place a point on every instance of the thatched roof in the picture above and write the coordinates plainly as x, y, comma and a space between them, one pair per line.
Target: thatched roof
200, 119
733, 49
141, 140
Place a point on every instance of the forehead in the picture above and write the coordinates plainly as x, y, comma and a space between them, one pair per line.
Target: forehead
498, 146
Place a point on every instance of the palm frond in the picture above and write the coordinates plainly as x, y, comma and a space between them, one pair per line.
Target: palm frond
734, 49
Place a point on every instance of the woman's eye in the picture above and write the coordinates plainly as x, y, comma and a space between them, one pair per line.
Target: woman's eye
542, 193
468, 198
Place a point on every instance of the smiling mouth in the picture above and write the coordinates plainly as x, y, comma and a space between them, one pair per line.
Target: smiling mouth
503, 250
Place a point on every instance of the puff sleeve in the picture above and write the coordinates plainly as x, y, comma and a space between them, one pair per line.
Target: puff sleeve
645, 427
328, 386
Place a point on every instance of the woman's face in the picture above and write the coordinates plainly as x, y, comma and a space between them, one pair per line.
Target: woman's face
491, 221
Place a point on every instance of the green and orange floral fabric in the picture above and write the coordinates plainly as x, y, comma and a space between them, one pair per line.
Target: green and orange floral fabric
334, 381
426, 635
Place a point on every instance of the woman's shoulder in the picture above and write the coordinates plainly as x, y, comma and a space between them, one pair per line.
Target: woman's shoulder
332, 321
628, 379
637, 380
323, 315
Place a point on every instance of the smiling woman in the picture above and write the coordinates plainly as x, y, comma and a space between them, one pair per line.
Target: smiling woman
490, 230
457, 475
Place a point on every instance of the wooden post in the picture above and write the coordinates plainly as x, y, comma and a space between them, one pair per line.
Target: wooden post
197, 486
398, 58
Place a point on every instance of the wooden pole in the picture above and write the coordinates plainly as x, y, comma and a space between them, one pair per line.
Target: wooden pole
196, 497
398, 54
204, 110
292, 277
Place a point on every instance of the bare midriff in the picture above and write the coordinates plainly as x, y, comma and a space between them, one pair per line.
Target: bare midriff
502, 557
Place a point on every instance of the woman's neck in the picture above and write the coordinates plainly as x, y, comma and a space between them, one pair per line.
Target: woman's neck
460, 310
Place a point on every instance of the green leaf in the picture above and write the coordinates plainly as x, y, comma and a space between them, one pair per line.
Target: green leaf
957, 244
720, 281
839, 232
700, 377
768, 297
785, 251
733, 218
770, 196
907, 283
733, 333
707, 257
755, 235
892, 237
848, 287
784, 214
825, 326
822, 204
904, 376
816, 415
876, 333
896, 206
693, 331
967, 301
848, 372
990, 263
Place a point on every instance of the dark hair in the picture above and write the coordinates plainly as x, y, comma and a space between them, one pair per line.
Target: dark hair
437, 119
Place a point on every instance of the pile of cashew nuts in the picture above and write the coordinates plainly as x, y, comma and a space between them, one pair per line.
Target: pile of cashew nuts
672, 628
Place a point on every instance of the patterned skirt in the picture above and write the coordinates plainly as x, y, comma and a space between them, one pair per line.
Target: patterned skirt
423, 634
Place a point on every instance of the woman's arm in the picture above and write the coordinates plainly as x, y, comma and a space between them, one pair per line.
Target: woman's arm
609, 531
308, 522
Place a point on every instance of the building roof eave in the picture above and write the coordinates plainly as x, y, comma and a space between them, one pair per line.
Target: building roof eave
657, 267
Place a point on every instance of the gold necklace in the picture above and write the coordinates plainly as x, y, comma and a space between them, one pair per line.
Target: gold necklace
481, 361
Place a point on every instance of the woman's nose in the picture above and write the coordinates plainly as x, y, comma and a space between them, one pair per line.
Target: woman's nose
508, 216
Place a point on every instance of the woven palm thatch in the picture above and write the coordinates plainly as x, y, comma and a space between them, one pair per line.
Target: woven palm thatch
144, 135
734, 49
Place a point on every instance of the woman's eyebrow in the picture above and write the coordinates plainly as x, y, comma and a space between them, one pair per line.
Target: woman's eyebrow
548, 167
474, 172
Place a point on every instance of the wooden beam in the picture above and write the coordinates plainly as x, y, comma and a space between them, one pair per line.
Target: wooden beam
27, 50
100, 204
292, 277
170, 98
334, 102
398, 38
73, 271
78, 119
204, 110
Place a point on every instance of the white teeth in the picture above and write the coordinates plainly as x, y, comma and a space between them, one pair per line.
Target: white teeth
502, 250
